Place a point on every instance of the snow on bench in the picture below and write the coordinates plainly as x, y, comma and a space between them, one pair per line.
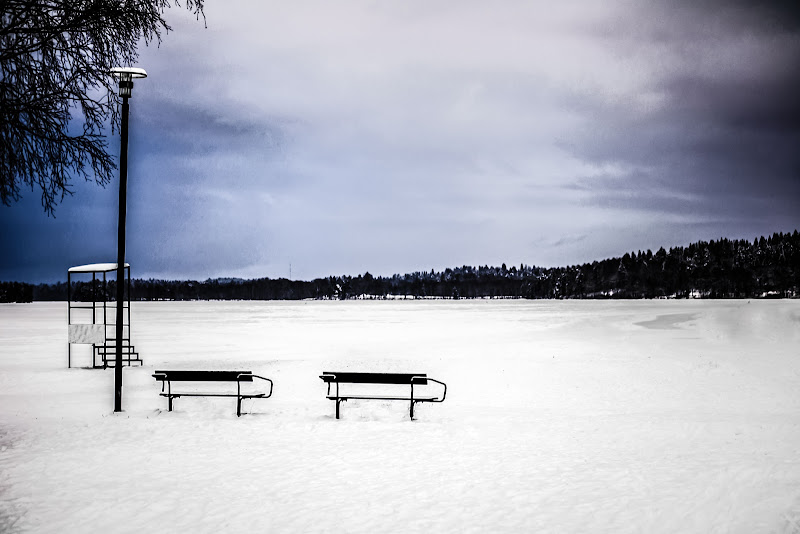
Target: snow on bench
414, 379
168, 377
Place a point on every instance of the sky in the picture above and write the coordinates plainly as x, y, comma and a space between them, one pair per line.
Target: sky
316, 138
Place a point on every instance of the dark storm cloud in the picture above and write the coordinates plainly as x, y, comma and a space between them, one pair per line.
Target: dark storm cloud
174, 127
722, 143
768, 105
771, 14
40, 248
204, 171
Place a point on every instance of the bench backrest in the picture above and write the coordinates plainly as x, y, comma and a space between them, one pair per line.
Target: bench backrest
205, 376
374, 378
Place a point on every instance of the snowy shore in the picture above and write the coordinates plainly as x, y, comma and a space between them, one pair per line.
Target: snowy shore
561, 416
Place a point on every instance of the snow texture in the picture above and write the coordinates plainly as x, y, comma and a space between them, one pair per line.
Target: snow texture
95, 268
561, 416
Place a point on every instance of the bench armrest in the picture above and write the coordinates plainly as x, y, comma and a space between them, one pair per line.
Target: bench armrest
163, 378
268, 380
332, 378
427, 378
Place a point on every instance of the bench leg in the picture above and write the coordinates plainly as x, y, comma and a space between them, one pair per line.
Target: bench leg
337, 408
238, 406
412, 410
170, 403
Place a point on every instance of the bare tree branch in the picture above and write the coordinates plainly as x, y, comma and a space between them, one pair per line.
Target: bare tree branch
55, 57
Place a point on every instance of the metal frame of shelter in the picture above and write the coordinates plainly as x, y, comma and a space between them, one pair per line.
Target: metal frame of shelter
101, 331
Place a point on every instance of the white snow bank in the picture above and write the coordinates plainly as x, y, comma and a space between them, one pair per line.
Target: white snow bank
645, 416
95, 268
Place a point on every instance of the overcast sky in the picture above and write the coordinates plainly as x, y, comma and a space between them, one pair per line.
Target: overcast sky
341, 137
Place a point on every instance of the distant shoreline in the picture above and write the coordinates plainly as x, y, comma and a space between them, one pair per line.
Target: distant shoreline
764, 268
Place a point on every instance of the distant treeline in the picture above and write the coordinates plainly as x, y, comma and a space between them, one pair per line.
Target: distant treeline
16, 292
765, 267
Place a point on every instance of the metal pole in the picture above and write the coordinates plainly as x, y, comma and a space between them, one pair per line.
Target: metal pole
128, 323
69, 317
123, 186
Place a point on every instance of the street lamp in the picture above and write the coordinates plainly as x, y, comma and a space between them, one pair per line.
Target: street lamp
126, 76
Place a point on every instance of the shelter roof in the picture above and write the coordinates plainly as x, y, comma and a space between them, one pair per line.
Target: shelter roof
95, 268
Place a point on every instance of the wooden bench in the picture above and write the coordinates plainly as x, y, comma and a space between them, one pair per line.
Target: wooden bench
168, 377
416, 379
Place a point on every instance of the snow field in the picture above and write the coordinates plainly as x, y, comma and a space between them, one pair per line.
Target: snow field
643, 416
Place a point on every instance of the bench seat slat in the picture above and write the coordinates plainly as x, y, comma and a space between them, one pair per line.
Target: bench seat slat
374, 378
205, 376
196, 394
376, 397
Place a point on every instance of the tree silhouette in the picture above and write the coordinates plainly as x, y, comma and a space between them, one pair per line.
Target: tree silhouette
715, 269
56, 94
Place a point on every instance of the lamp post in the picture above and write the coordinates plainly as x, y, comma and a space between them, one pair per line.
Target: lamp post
126, 76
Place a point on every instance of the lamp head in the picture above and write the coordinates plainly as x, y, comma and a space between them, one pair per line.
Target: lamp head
126, 76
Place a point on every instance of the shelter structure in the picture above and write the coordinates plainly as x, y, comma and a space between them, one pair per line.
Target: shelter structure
91, 315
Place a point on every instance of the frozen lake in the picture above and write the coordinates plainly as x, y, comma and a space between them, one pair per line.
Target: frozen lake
561, 416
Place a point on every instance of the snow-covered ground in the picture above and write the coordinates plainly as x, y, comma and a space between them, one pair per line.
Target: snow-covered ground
561, 416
